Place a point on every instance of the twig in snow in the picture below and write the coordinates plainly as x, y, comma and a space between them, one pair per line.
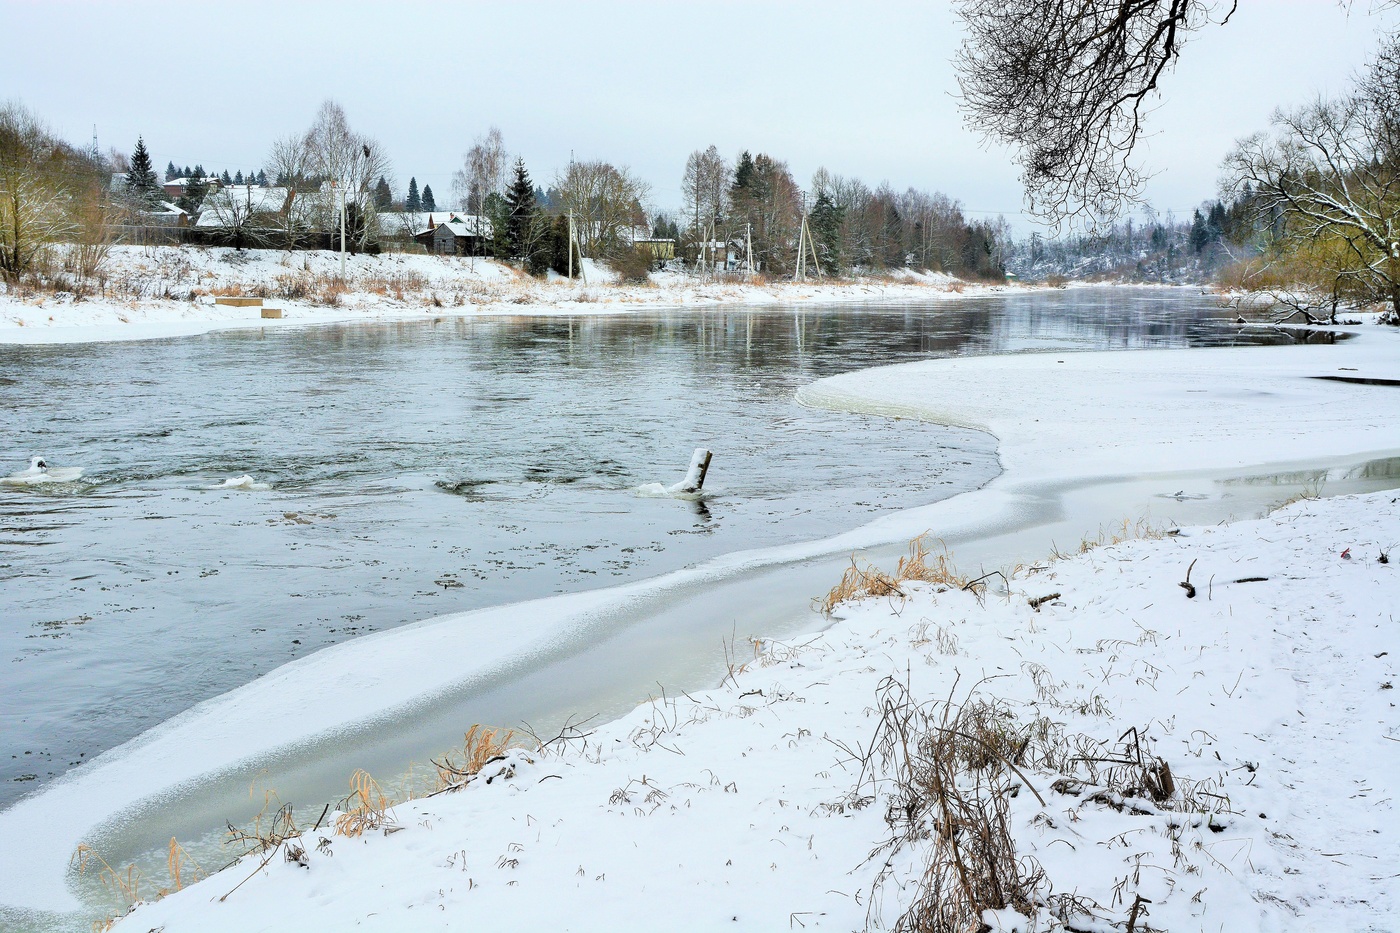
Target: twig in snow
1187, 585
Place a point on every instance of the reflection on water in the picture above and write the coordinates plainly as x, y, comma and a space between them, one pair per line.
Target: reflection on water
418, 469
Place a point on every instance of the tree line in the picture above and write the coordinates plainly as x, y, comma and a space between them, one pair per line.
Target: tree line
748, 207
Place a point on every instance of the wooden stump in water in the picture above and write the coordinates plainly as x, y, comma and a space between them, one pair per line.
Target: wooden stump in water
695, 476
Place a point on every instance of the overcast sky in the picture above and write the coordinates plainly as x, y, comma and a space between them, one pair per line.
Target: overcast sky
863, 88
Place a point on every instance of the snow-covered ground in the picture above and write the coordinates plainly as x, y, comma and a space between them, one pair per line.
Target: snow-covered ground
742, 807
746, 807
168, 291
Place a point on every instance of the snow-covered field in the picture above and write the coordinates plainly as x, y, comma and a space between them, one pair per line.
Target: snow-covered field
748, 806
168, 291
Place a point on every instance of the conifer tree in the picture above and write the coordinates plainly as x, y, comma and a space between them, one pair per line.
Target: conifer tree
429, 202
141, 185
186, 172
383, 197
238, 177
171, 171
825, 224
743, 173
1198, 237
520, 202
262, 178
193, 194
225, 178
413, 202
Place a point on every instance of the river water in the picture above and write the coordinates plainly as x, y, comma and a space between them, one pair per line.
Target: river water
414, 470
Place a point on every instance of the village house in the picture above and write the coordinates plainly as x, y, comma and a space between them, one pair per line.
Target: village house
451, 234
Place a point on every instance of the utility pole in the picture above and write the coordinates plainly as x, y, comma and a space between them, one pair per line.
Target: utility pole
335, 190
804, 243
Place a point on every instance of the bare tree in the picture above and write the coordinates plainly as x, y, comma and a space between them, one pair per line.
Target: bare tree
704, 186
1328, 181
243, 211
290, 162
352, 162
484, 171
606, 200
1064, 83
37, 177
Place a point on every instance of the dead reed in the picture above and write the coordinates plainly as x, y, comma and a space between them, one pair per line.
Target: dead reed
366, 808
948, 773
920, 564
480, 747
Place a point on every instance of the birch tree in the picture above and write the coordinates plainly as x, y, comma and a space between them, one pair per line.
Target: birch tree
484, 171
1066, 83
352, 161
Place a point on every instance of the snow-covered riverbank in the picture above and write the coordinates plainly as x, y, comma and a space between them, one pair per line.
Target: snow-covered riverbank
744, 807
1091, 417
169, 292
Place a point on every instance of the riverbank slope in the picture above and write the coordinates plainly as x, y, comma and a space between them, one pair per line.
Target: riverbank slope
168, 291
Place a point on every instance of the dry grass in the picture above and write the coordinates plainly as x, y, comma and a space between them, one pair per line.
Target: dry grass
124, 885
480, 747
920, 564
177, 860
949, 772
366, 808
1141, 529
1310, 491
952, 771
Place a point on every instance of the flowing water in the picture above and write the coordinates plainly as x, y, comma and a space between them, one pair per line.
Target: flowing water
413, 470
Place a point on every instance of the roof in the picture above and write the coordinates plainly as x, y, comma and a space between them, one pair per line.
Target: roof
418, 223
236, 203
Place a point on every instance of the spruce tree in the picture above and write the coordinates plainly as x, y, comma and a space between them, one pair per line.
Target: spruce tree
238, 177
186, 172
743, 173
520, 203
413, 203
193, 194
1198, 236
262, 178
825, 224
383, 197
429, 203
171, 171
141, 184
198, 170
225, 179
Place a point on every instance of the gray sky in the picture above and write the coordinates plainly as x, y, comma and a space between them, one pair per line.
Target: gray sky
864, 88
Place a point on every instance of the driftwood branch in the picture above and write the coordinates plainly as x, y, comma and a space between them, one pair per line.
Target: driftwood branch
1187, 585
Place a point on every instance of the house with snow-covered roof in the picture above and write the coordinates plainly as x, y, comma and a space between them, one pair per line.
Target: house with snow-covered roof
447, 233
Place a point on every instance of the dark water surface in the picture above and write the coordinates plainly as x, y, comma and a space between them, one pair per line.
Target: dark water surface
426, 468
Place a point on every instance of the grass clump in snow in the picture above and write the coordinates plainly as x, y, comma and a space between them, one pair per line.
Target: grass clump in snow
861, 582
366, 808
949, 774
480, 747
1141, 529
